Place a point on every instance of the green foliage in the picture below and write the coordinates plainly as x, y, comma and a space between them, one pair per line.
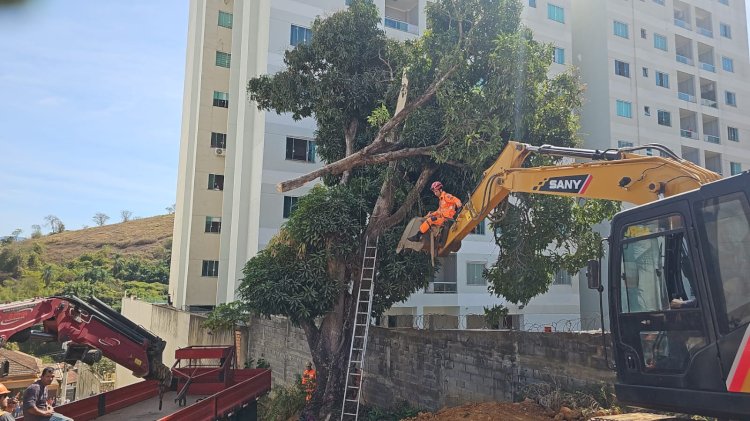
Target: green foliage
103, 367
282, 403
400, 411
495, 315
226, 316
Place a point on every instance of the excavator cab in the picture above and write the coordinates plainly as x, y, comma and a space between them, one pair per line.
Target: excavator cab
679, 290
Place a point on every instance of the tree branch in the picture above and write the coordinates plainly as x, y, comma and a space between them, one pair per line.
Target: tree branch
379, 142
350, 133
411, 198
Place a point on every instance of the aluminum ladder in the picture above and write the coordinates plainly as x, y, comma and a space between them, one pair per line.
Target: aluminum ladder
352, 388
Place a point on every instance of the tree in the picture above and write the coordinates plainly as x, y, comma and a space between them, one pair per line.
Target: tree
126, 215
36, 231
54, 223
475, 80
100, 219
170, 209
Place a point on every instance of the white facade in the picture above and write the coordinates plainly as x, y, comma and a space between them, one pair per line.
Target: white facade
697, 34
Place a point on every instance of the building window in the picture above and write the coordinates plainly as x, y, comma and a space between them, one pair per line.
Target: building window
735, 168
621, 29
727, 64
662, 79
624, 109
659, 2
559, 55
725, 30
730, 98
210, 268
622, 68
624, 144
218, 140
474, 273
562, 278
213, 224
221, 99
215, 182
660, 42
645, 72
479, 229
555, 13
225, 19
733, 134
223, 59
300, 149
300, 35
532, 3
664, 118
724, 2
290, 204
644, 35
647, 110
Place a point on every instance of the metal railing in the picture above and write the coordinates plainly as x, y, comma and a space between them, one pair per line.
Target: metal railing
708, 66
709, 103
686, 96
684, 59
690, 134
480, 322
682, 24
711, 138
705, 31
400, 25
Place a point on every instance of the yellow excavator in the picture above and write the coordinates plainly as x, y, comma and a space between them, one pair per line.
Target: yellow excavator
678, 267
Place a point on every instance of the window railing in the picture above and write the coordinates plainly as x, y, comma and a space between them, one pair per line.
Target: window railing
684, 59
688, 134
708, 66
711, 138
686, 96
682, 24
400, 25
709, 103
705, 31
441, 288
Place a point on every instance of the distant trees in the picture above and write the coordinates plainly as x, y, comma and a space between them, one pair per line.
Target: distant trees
36, 231
171, 209
100, 218
54, 223
126, 215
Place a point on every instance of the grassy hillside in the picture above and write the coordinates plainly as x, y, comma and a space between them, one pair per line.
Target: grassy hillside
146, 238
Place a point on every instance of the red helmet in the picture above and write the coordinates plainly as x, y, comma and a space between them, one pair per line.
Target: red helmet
436, 186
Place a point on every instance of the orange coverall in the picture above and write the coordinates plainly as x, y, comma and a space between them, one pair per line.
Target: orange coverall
446, 209
308, 381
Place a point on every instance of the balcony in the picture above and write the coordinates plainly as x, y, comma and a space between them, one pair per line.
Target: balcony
400, 25
683, 59
705, 31
711, 138
709, 103
686, 96
688, 134
402, 15
708, 66
682, 24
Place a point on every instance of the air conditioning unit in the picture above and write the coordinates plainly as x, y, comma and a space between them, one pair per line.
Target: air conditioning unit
219, 151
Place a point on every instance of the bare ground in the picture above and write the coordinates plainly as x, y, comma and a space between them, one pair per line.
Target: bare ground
489, 411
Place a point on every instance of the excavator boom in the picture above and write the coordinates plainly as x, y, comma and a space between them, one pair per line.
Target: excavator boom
617, 174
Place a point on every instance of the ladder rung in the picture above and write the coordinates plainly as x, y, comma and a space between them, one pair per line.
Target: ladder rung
352, 400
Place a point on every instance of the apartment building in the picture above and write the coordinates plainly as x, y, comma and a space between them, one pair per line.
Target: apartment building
665, 71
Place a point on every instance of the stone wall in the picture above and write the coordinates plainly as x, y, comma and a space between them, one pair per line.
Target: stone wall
432, 369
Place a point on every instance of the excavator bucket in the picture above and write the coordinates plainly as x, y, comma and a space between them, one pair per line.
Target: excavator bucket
411, 229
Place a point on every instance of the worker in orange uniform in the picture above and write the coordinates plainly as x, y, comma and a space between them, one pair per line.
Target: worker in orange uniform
308, 381
447, 208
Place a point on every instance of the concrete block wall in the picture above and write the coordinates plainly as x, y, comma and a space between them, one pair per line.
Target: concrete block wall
432, 369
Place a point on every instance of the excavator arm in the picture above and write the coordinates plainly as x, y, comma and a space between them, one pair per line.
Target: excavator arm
613, 174
90, 329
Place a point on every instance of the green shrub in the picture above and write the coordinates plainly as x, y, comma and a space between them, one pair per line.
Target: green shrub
282, 403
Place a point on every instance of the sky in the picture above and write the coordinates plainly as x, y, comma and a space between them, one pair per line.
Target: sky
90, 109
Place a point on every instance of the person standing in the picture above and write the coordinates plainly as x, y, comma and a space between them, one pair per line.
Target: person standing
308, 381
447, 208
7, 404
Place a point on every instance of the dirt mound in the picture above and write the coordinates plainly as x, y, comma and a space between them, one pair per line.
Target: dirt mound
489, 411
